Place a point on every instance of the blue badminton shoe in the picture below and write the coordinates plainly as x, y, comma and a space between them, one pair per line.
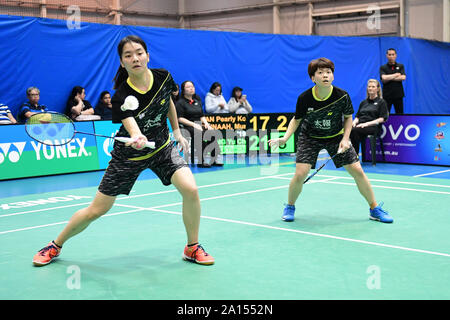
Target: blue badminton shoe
288, 213
379, 214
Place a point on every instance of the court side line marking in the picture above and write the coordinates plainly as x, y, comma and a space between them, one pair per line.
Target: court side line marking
430, 173
374, 186
279, 176
156, 207
61, 222
387, 187
144, 195
393, 181
302, 232
378, 180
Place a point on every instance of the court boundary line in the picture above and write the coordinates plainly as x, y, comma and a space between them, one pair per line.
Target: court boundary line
278, 176
430, 173
297, 231
157, 209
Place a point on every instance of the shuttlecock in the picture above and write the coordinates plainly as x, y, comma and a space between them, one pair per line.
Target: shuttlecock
130, 103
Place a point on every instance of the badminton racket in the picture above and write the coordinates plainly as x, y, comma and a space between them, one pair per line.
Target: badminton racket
323, 165
56, 129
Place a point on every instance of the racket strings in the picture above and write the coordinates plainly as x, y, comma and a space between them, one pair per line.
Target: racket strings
50, 128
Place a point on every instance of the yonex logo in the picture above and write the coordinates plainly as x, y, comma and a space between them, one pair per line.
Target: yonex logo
11, 151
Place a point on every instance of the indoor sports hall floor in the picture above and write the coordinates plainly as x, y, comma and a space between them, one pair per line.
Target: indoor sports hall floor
331, 251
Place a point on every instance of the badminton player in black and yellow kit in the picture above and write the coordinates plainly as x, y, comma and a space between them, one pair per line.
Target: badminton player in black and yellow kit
143, 120
325, 115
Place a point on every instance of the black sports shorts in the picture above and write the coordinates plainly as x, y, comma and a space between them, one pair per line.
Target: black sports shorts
121, 173
308, 149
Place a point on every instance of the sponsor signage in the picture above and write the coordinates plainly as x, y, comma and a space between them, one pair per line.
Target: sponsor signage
21, 156
105, 145
415, 139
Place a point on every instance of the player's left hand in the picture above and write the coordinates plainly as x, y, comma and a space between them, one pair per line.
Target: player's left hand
344, 145
183, 143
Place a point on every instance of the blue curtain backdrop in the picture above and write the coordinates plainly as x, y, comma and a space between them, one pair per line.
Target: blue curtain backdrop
272, 69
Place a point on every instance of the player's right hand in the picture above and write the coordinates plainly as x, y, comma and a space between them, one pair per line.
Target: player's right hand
138, 142
275, 143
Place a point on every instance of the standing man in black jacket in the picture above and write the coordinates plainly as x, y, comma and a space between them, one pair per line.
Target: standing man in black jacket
392, 74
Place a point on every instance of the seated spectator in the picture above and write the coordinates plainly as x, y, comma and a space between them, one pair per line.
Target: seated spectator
32, 106
194, 124
104, 106
176, 94
79, 109
371, 114
238, 102
6, 116
214, 100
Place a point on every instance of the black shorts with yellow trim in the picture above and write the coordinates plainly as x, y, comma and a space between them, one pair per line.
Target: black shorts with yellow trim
308, 149
121, 174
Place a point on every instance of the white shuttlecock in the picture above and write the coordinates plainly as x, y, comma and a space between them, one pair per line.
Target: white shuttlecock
130, 103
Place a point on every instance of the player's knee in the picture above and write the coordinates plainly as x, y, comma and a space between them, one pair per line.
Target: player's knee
191, 193
94, 213
300, 176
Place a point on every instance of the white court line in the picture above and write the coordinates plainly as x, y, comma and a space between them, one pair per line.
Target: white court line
279, 176
428, 174
157, 208
394, 181
144, 195
63, 222
330, 180
387, 187
299, 231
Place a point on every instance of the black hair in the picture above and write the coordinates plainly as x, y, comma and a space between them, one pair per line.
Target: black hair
320, 63
214, 86
233, 93
122, 74
102, 95
391, 49
183, 84
75, 90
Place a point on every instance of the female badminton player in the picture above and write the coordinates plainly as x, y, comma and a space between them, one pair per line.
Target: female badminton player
142, 103
322, 109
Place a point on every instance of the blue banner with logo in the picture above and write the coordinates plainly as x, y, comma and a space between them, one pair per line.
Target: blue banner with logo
415, 139
21, 156
105, 145
271, 68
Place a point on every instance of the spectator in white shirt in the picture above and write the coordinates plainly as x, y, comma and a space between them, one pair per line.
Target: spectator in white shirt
238, 102
214, 100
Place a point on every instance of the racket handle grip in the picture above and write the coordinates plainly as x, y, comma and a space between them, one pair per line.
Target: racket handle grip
148, 144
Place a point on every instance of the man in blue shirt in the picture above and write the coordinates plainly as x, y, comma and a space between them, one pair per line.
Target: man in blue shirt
32, 106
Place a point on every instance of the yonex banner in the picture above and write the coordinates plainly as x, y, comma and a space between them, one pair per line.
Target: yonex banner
21, 156
415, 139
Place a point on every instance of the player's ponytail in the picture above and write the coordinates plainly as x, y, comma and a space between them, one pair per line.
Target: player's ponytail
121, 76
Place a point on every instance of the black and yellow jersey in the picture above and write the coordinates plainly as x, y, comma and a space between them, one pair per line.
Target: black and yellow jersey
151, 114
323, 118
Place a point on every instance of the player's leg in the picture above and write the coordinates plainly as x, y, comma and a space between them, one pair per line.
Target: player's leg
83, 217
184, 181
296, 184
307, 152
119, 178
366, 190
77, 223
362, 182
